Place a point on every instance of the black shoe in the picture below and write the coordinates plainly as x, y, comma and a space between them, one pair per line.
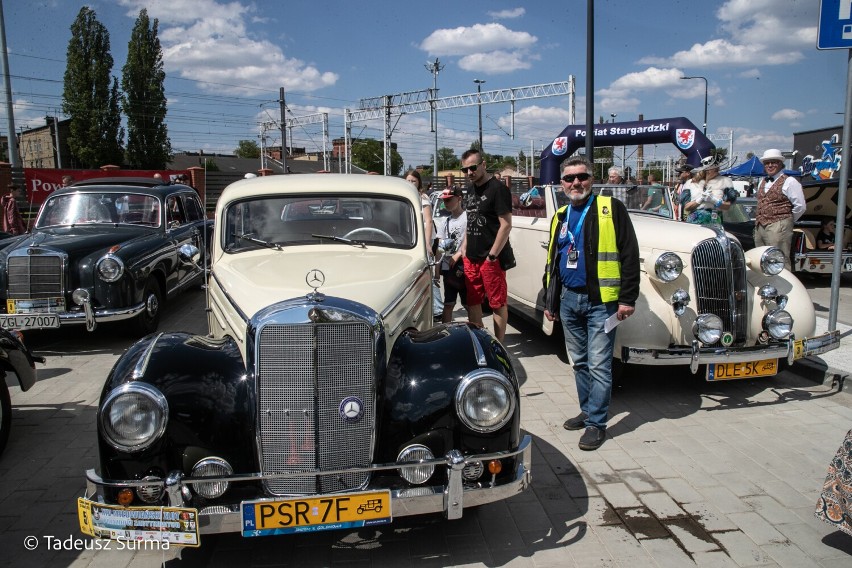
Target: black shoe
576, 423
592, 438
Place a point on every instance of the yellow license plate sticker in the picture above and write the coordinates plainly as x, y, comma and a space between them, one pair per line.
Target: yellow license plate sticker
174, 525
311, 514
747, 370
798, 349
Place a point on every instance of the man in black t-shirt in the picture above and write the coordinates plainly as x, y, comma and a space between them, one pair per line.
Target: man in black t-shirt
489, 221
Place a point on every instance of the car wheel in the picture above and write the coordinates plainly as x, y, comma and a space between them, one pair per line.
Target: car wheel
148, 321
5, 412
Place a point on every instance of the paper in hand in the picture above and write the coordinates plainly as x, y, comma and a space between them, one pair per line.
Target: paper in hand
611, 322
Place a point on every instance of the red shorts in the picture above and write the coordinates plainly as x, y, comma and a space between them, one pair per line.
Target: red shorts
485, 278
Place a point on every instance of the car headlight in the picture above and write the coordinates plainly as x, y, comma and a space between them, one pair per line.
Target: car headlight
211, 467
668, 266
779, 324
708, 328
110, 268
485, 400
133, 416
772, 261
414, 453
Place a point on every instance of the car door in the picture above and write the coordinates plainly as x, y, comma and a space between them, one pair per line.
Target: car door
183, 227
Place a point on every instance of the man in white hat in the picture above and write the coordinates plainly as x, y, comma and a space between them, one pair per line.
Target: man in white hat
780, 203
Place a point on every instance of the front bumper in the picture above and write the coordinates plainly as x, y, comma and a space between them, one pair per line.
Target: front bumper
820, 262
92, 317
450, 499
695, 355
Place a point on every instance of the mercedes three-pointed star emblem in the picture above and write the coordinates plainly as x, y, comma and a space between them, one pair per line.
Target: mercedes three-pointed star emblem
315, 278
351, 409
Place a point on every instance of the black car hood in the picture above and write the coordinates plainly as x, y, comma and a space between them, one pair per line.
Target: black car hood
80, 241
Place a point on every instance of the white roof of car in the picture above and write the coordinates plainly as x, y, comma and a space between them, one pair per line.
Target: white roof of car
313, 183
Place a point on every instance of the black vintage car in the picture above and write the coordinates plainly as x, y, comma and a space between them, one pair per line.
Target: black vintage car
14, 358
103, 250
322, 397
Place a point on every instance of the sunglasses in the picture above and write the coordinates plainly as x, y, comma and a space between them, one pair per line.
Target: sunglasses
569, 178
470, 168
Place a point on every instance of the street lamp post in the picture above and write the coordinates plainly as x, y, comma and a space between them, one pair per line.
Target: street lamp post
479, 83
705, 99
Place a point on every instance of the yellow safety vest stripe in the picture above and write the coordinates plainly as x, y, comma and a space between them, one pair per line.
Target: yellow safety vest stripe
609, 266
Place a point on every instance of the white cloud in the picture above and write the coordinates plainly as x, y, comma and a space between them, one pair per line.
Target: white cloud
787, 114
478, 38
497, 62
209, 41
487, 48
508, 14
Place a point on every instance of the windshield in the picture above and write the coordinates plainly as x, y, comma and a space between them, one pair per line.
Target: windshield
275, 221
741, 211
94, 208
653, 199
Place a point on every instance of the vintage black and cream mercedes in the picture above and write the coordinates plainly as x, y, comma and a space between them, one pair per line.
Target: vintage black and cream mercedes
322, 397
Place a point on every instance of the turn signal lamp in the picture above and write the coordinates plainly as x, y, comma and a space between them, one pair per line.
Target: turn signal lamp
125, 497
495, 467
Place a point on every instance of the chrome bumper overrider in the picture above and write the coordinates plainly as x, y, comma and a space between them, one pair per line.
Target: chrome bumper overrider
450, 498
92, 317
696, 355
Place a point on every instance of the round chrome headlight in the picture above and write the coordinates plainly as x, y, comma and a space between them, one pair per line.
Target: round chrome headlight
414, 453
133, 416
708, 328
772, 261
109, 268
211, 467
485, 401
778, 323
668, 266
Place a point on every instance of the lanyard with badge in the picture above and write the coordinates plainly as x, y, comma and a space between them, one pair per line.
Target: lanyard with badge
565, 231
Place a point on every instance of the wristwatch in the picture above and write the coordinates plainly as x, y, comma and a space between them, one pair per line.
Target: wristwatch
492, 257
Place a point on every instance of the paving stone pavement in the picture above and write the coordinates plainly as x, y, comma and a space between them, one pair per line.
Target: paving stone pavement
692, 473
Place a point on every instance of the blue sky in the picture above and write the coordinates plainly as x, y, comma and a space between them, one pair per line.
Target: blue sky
226, 60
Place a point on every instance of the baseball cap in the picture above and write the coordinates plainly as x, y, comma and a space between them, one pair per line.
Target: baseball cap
451, 192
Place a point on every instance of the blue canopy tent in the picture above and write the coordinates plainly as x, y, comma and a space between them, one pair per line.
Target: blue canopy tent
753, 168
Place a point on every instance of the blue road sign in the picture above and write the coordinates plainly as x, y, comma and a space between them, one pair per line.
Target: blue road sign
835, 24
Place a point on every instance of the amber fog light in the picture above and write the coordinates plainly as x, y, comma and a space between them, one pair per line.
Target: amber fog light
495, 467
415, 453
211, 467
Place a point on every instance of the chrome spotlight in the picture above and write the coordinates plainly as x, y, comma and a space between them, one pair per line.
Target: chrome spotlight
679, 300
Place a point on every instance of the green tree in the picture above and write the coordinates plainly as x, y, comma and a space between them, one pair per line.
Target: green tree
247, 149
368, 154
210, 165
144, 100
447, 159
95, 132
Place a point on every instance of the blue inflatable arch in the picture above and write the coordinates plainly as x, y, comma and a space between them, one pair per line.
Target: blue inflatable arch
678, 131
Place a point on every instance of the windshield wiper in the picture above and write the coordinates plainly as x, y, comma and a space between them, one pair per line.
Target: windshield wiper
248, 237
341, 240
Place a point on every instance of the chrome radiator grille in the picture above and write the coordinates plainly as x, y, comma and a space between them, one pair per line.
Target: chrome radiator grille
720, 284
304, 373
35, 276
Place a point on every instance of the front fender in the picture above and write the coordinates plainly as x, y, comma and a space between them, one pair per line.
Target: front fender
417, 401
15, 357
210, 405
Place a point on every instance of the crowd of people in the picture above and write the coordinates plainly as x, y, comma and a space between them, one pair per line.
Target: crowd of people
592, 272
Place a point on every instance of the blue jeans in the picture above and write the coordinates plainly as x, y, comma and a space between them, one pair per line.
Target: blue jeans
590, 349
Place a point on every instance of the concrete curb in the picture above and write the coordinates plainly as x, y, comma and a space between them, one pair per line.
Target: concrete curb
816, 370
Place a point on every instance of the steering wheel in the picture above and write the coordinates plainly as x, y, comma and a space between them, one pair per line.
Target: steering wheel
369, 231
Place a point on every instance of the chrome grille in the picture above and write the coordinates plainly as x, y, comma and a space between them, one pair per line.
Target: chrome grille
718, 267
35, 276
304, 373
